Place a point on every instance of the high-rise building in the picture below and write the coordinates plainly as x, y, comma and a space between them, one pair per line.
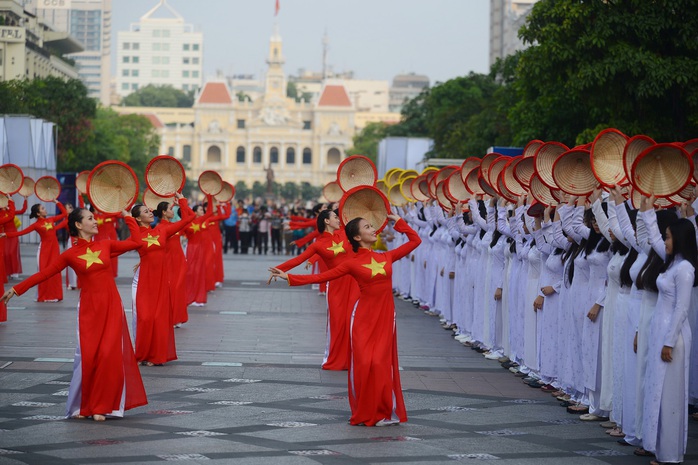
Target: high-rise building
89, 22
30, 48
160, 49
506, 18
406, 87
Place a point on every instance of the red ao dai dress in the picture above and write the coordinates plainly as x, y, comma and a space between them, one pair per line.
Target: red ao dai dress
197, 261
178, 273
106, 379
13, 261
107, 231
214, 248
375, 392
155, 341
50, 289
7, 216
342, 294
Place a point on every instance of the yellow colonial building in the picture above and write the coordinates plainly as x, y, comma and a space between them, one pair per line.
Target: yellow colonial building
239, 138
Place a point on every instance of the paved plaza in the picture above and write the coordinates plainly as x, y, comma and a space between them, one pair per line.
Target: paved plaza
247, 389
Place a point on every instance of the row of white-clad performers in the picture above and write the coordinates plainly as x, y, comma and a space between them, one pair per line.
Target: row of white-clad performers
594, 302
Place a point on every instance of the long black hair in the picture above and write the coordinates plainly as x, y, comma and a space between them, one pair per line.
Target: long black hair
683, 240
352, 230
75, 217
625, 279
647, 279
162, 207
321, 217
34, 212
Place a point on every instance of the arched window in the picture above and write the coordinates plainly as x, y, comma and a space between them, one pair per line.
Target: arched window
257, 155
274, 155
307, 156
186, 153
290, 156
170, 151
214, 154
334, 157
240, 155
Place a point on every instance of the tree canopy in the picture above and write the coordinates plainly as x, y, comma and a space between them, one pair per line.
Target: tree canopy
159, 96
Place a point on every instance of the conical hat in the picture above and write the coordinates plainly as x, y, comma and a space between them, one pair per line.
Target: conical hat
445, 172
607, 157
485, 186
455, 187
226, 194
495, 169
27, 187
395, 196
512, 186
165, 176
380, 184
690, 145
502, 187
112, 187
355, 171
523, 171
443, 199
394, 177
81, 181
416, 192
487, 161
634, 147
659, 202
365, 202
541, 192
406, 188
468, 165
47, 188
332, 192
531, 148
572, 172
545, 158
662, 170
152, 200
210, 182
11, 178
472, 183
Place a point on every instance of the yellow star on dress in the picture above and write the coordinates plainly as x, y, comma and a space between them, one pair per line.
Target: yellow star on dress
91, 257
48, 226
195, 227
100, 221
376, 267
151, 240
337, 248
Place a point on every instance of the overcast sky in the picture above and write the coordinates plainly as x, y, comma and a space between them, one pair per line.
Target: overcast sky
376, 39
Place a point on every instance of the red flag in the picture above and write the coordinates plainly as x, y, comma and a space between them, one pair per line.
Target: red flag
276, 8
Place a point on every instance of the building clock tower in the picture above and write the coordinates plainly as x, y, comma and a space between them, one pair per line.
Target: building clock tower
276, 80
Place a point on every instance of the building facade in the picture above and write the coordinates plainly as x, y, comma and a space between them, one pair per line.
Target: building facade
89, 22
160, 49
506, 18
30, 48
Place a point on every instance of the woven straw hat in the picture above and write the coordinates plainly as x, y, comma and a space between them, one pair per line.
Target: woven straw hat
11, 178
380, 184
355, 171
487, 161
531, 148
634, 147
112, 187
512, 185
365, 202
395, 196
423, 188
47, 188
415, 191
429, 169
662, 170
694, 157
394, 177
210, 182
485, 186
431, 177
445, 172
406, 188
502, 187
409, 174
495, 170
690, 145
332, 191
165, 176
81, 181
541, 192
572, 172
455, 187
687, 192
27, 188
607, 157
226, 194
468, 165
545, 158
523, 171
151, 199
472, 183
444, 200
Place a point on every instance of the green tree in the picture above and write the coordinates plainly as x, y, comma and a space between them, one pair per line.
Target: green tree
242, 96
241, 190
258, 189
289, 191
159, 96
628, 64
292, 92
310, 192
64, 103
365, 142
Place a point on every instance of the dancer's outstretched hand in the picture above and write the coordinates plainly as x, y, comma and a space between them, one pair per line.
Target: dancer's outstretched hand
276, 273
7, 296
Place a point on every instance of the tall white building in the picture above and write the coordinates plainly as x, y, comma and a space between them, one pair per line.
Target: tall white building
506, 18
89, 22
160, 49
